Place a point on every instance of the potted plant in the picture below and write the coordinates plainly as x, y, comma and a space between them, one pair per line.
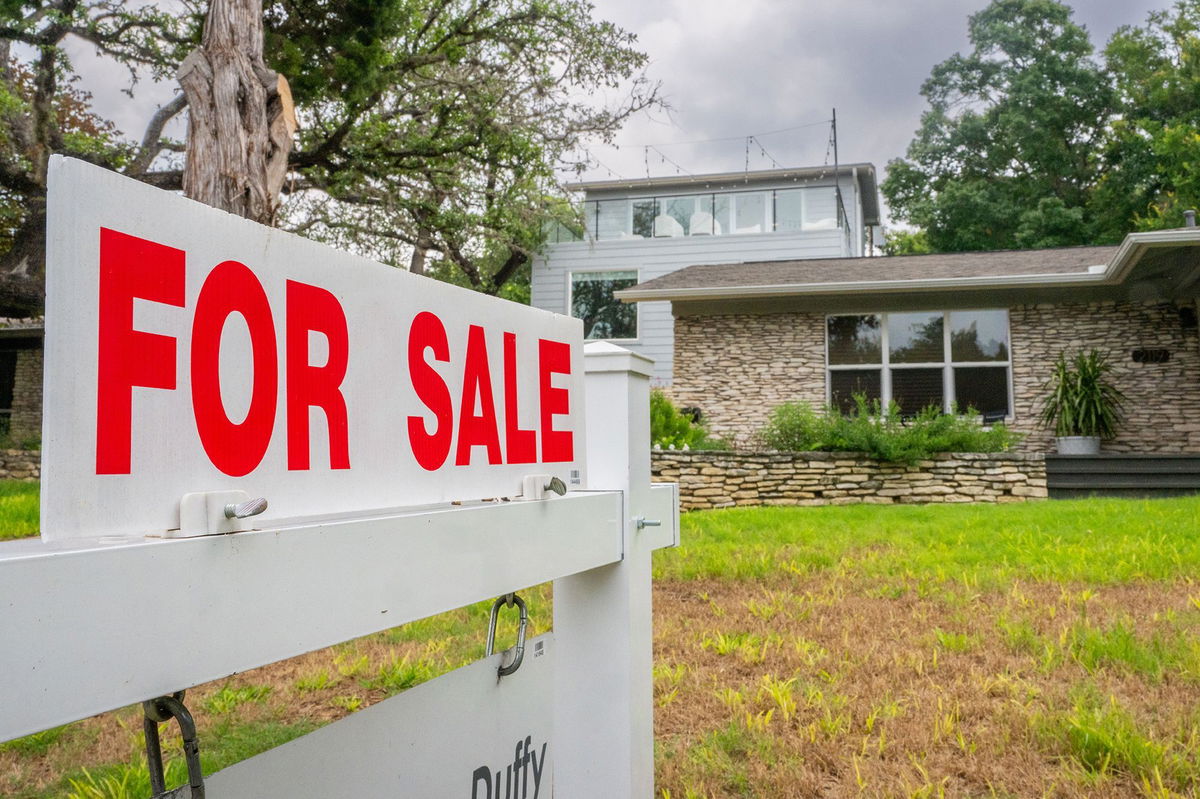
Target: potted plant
1082, 405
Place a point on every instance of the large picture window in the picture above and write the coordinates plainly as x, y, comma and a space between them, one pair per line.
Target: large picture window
604, 316
944, 359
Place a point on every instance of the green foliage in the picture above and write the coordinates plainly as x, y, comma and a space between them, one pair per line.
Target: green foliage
432, 134
122, 781
922, 547
19, 509
1118, 644
1103, 737
1010, 124
228, 698
1030, 140
1080, 399
400, 674
672, 429
1152, 175
906, 242
441, 127
37, 744
796, 426
223, 745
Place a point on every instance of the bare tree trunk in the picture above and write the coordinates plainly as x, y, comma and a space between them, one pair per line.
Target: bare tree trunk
241, 119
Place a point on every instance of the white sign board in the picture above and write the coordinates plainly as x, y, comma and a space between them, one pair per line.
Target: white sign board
467, 734
189, 350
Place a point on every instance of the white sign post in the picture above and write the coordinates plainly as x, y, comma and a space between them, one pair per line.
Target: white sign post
197, 362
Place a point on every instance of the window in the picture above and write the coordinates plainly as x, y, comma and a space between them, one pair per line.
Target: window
604, 316
921, 359
740, 212
806, 209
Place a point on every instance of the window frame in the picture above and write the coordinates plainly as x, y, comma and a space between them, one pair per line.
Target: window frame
805, 193
947, 364
768, 223
637, 306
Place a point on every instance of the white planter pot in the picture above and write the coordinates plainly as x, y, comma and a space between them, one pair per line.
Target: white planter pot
1078, 445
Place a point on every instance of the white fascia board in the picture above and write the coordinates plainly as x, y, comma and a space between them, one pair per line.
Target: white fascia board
863, 287
1114, 272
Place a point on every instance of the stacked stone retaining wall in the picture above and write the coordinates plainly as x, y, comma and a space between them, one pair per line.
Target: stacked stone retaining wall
20, 464
725, 479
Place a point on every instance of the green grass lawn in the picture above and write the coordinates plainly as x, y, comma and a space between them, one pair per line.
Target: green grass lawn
1040, 649
18, 509
1096, 540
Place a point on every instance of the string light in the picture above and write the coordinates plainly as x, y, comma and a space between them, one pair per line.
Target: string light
669, 161
730, 138
588, 155
754, 137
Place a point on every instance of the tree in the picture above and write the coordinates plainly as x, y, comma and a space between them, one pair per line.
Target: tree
1152, 160
1006, 155
430, 132
240, 115
41, 113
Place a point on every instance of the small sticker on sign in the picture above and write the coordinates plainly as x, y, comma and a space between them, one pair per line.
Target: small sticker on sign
574, 477
539, 649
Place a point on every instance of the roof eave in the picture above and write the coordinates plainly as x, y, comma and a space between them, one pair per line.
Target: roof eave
863, 287
1114, 272
714, 177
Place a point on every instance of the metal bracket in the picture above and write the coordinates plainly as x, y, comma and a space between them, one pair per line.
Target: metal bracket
216, 513
535, 486
519, 649
165, 708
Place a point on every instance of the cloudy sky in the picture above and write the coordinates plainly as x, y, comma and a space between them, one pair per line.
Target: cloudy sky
750, 67
732, 69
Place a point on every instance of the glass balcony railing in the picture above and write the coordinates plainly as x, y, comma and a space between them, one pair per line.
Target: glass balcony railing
734, 213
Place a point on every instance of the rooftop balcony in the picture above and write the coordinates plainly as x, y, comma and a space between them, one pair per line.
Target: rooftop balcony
799, 210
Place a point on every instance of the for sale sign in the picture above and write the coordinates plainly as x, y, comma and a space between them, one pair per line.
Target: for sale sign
191, 351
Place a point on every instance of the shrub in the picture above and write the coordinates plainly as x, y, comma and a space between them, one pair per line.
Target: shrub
1081, 400
796, 426
672, 429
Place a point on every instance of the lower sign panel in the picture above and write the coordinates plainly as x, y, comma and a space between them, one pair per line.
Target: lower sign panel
466, 734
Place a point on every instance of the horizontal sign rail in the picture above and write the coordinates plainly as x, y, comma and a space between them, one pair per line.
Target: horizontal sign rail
97, 627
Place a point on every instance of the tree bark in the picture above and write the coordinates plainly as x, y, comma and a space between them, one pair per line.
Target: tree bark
240, 116
23, 268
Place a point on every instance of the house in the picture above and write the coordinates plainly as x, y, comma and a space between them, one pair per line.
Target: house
20, 380
639, 230
979, 329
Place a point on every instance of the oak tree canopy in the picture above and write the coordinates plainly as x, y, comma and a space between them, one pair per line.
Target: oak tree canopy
425, 133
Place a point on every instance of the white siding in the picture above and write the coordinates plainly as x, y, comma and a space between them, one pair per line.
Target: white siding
656, 257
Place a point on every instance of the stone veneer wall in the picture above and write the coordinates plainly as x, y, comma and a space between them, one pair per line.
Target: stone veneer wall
1163, 408
725, 479
20, 464
27, 396
737, 367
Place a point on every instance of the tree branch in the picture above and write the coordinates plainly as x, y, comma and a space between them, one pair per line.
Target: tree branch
152, 143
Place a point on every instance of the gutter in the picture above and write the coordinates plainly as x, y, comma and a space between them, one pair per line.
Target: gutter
1113, 273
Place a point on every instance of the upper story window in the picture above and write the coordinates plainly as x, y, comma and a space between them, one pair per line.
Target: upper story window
921, 359
764, 211
604, 316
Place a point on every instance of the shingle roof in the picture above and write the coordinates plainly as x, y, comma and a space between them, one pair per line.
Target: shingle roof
1065, 260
